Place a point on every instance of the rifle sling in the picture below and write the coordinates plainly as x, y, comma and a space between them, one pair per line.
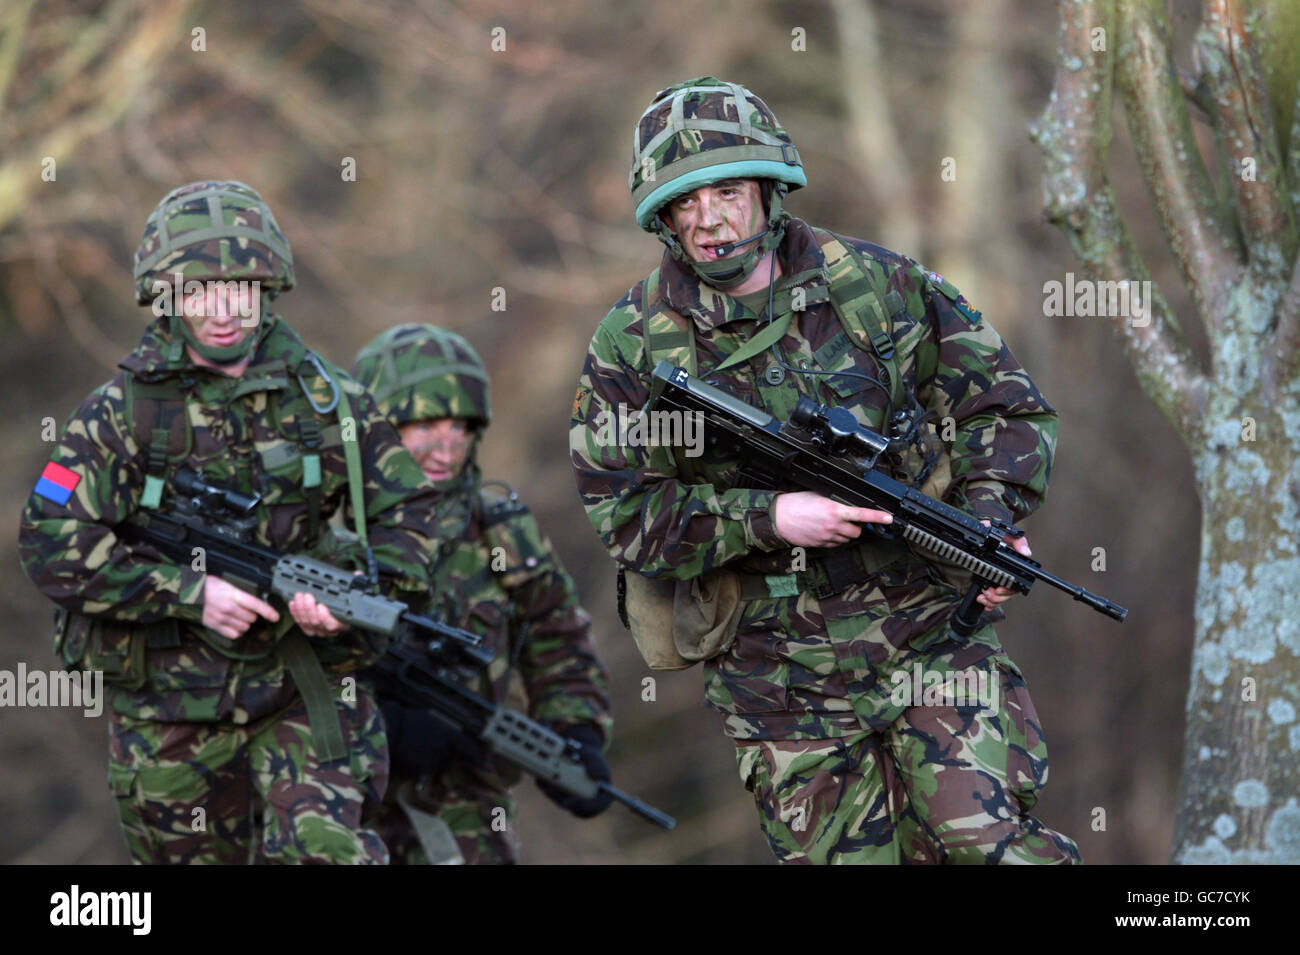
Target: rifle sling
435, 836
304, 666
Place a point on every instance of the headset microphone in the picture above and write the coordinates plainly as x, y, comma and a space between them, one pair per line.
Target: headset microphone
725, 250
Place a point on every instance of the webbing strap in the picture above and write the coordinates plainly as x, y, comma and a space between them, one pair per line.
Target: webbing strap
352, 453
668, 334
770, 333
310, 436
439, 845
860, 298
268, 376
153, 481
303, 665
169, 389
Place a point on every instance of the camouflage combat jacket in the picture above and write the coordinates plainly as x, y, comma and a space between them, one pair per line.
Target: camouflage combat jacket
497, 575
237, 432
803, 667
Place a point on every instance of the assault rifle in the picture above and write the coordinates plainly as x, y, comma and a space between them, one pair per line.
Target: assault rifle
825, 450
412, 678
220, 521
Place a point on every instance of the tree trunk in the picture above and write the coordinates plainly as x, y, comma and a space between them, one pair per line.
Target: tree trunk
1237, 253
1240, 768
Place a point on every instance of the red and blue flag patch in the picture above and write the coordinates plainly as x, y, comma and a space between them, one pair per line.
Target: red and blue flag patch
57, 483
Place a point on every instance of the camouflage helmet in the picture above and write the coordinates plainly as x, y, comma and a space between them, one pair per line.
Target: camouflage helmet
420, 372
213, 230
703, 131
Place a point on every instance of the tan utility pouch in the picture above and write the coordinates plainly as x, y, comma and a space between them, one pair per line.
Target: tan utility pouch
678, 623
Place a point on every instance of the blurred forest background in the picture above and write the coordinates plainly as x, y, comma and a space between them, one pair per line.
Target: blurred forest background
479, 168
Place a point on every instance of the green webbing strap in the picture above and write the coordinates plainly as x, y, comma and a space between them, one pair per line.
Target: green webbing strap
268, 376
304, 666
668, 334
772, 332
857, 293
310, 437
169, 389
153, 481
353, 455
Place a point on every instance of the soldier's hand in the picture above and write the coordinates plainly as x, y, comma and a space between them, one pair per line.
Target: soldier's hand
314, 618
229, 611
990, 597
806, 519
594, 762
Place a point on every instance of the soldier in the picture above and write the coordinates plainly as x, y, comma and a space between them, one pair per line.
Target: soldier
497, 575
843, 767
235, 734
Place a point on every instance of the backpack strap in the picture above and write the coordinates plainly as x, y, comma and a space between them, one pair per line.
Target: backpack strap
865, 305
166, 397
669, 335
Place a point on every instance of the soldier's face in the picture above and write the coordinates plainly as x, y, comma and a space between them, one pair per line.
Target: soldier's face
215, 315
439, 446
716, 215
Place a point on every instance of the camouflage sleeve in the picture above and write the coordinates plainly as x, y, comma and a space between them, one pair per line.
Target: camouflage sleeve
566, 683
1005, 431
649, 519
69, 549
399, 501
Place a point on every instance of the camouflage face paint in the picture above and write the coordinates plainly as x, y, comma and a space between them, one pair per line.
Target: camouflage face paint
717, 215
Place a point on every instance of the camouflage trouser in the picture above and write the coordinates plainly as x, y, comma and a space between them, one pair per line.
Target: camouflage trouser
482, 820
226, 793
944, 784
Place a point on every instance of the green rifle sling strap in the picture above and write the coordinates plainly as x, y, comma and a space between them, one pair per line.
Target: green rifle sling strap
352, 453
308, 675
772, 332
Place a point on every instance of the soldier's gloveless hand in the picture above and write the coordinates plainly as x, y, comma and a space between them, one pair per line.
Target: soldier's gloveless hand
806, 519
314, 618
230, 611
992, 596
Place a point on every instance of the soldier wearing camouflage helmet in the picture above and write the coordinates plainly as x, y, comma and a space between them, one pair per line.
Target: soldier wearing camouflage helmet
237, 731
832, 621
495, 574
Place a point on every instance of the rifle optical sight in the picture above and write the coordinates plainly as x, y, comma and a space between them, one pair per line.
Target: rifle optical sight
227, 499
837, 430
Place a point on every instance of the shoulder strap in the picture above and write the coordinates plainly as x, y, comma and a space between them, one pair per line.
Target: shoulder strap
156, 396
865, 305
668, 334
351, 453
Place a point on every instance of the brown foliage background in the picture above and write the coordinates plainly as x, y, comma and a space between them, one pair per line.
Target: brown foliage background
478, 170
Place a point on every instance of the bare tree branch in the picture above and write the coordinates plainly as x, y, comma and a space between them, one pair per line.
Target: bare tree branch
110, 92
1206, 249
12, 32
1074, 134
874, 135
1240, 98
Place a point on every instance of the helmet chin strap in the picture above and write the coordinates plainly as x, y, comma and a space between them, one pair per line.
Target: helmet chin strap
728, 273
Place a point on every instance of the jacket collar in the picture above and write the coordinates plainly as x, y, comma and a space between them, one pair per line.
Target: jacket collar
151, 358
802, 263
